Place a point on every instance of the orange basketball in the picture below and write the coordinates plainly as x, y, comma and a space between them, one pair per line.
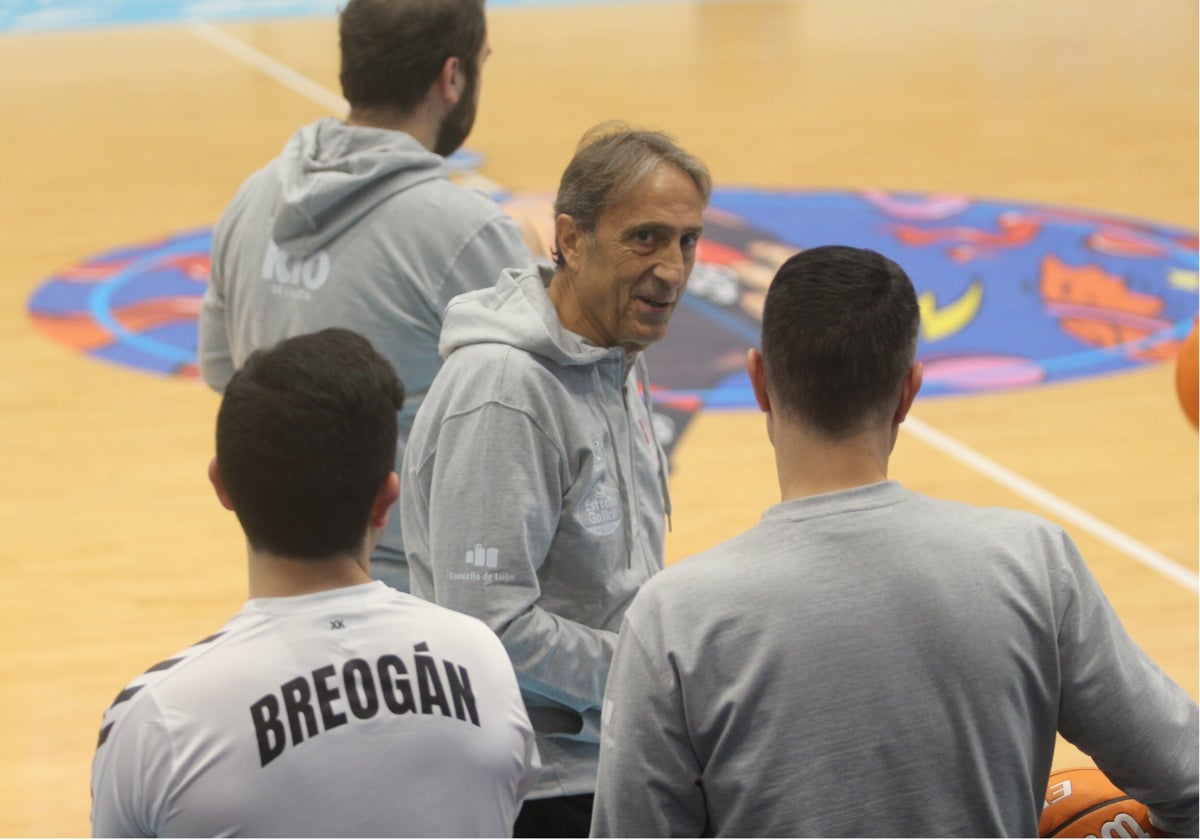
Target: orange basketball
1187, 379
1082, 802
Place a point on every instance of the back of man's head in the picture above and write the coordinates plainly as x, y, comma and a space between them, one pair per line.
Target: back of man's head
306, 434
839, 335
611, 160
393, 50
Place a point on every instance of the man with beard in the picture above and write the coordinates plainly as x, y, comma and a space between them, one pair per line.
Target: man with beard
357, 224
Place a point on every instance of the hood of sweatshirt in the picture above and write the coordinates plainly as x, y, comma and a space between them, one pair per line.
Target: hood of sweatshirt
517, 311
332, 174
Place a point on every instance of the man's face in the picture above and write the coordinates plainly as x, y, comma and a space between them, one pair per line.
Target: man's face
630, 273
453, 131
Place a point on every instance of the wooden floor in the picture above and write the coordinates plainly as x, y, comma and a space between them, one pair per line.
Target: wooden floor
115, 552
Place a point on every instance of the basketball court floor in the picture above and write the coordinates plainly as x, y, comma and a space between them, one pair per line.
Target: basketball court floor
1033, 165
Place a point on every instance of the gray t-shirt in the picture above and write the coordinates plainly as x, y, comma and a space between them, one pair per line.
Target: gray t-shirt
874, 662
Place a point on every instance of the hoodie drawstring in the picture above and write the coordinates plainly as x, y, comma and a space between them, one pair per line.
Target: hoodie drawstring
625, 487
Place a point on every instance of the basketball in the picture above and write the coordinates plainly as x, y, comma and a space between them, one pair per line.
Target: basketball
1082, 802
1187, 379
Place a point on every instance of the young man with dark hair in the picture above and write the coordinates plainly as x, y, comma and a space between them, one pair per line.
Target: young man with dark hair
330, 705
357, 223
868, 661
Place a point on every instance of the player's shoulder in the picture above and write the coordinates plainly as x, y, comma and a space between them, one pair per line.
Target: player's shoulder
458, 625
448, 202
698, 579
925, 510
1003, 521
153, 679
257, 192
447, 634
483, 372
1023, 539
442, 621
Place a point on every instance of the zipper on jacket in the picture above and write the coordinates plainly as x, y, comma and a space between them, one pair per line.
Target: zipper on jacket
644, 381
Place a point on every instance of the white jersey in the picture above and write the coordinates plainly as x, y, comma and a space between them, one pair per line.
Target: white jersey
359, 711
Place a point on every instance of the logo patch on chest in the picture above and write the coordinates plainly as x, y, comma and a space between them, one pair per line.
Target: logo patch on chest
600, 512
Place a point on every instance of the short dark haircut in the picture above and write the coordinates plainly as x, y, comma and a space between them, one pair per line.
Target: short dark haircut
306, 435
611, 161
393, 50
839, 335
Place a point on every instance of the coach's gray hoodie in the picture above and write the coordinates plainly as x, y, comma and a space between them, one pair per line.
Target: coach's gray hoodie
533, 495
351, 227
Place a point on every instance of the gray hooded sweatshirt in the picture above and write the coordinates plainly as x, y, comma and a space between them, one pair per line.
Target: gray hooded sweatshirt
533, 495
351, 227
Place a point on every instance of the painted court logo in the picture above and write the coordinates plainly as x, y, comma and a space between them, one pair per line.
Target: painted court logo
135, 306
1011, 295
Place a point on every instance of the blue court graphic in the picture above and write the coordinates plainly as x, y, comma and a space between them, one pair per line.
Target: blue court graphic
1011, 295
48, 15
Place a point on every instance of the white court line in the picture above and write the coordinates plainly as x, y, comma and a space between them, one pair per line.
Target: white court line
1061, 508
305, 86
278, 71
1122, 542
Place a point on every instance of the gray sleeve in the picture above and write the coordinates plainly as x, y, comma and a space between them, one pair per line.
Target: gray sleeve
648, 783
130, 775
1120, 708
213, 352
495, 496
216, 361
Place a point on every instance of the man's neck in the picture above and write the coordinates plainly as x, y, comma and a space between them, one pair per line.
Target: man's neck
273, 576
809, 465
560, 290
414, 124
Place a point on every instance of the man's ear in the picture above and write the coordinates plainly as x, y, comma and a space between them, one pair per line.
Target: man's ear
451, 81
385, 498
758, 379
569, 237
214, 475
908, 393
